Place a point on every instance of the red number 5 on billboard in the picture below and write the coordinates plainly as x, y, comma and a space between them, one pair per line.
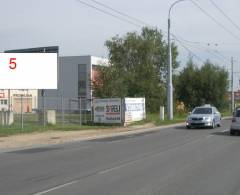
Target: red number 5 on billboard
12, 63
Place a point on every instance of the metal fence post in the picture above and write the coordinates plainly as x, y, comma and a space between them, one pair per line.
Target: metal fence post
85, 110
21, 112
43, 107
62, 111
80, 112
91, 105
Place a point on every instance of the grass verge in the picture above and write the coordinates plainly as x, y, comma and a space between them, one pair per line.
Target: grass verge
33, 126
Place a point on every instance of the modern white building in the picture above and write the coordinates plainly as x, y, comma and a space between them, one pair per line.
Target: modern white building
75, 74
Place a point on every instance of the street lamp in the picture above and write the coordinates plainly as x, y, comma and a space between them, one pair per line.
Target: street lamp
170, 86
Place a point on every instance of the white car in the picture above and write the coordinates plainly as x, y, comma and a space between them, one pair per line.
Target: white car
204, 116
235, 126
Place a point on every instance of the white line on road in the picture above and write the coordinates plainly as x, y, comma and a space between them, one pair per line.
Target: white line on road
57, 187
118, 167
226, 130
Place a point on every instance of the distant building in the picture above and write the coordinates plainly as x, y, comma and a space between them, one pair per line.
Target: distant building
75, 74
18, 99
236, 95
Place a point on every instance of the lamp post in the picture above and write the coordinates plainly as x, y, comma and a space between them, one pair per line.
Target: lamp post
169, 85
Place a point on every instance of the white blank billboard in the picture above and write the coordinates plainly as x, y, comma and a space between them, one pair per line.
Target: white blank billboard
28, 70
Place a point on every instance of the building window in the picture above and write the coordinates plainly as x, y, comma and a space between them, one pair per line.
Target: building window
3, 102
82, 80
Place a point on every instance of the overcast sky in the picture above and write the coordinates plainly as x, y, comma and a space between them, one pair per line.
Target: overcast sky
81, 30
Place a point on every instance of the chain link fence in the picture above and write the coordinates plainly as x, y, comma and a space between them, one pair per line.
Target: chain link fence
50, 111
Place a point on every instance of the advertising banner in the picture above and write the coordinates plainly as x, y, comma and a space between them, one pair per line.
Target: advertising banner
134, 109
107, 110
28, 70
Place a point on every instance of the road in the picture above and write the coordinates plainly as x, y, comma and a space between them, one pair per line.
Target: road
171, 161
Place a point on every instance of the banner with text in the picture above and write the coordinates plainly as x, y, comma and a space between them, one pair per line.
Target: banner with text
107, 110
134, 109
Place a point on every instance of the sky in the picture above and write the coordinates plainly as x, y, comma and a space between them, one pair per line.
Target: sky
81, 30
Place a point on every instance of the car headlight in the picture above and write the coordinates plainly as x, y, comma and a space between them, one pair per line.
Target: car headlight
208, 119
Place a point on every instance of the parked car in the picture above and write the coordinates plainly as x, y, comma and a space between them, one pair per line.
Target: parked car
204, 116
235, 126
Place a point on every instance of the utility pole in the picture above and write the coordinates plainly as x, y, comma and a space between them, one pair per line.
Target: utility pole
169, 85
232, 91
169, 79
43, 100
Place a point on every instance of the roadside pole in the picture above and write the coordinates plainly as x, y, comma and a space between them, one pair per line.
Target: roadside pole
232, 91
43, 99
62, 109
21, 112
80, 112
43, 107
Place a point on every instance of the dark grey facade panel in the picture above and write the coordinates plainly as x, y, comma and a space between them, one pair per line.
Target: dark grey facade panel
49, 49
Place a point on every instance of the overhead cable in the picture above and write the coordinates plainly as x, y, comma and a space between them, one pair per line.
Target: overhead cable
108, 13
216, 21
224, 14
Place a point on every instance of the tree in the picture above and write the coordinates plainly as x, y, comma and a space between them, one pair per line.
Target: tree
196, 86
138, 68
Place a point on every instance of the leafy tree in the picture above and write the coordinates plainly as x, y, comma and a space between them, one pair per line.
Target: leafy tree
196, 86
138, 68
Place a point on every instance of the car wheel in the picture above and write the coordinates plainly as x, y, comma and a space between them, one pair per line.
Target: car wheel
232, 132
213, 125
188, 127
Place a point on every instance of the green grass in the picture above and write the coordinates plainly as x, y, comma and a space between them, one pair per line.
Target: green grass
154, 118
31, 124
226, 113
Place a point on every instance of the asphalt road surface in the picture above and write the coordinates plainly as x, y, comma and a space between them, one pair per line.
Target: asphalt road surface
171, 161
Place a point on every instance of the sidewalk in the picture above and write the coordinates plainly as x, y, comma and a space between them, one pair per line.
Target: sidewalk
57, 137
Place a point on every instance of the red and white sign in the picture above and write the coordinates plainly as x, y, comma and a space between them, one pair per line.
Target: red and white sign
28, 70
107, 110
2, 95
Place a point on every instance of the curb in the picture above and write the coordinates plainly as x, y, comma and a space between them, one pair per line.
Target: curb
139, 130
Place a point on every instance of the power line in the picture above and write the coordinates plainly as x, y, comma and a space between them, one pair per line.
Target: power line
208, 43
223, 13
120, 13
217, 22
123, 14
186, 48
108, 13
212, 52
134, 23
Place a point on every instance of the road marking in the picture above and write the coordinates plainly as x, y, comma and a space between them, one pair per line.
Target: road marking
118, 167
121, 165
56, 187
226, 130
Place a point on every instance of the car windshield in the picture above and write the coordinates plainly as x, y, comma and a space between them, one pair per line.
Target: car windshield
202, 111
237, 114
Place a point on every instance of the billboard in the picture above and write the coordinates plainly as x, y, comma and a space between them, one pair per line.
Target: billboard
107, 110
28, 70
117, 110
134, 109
